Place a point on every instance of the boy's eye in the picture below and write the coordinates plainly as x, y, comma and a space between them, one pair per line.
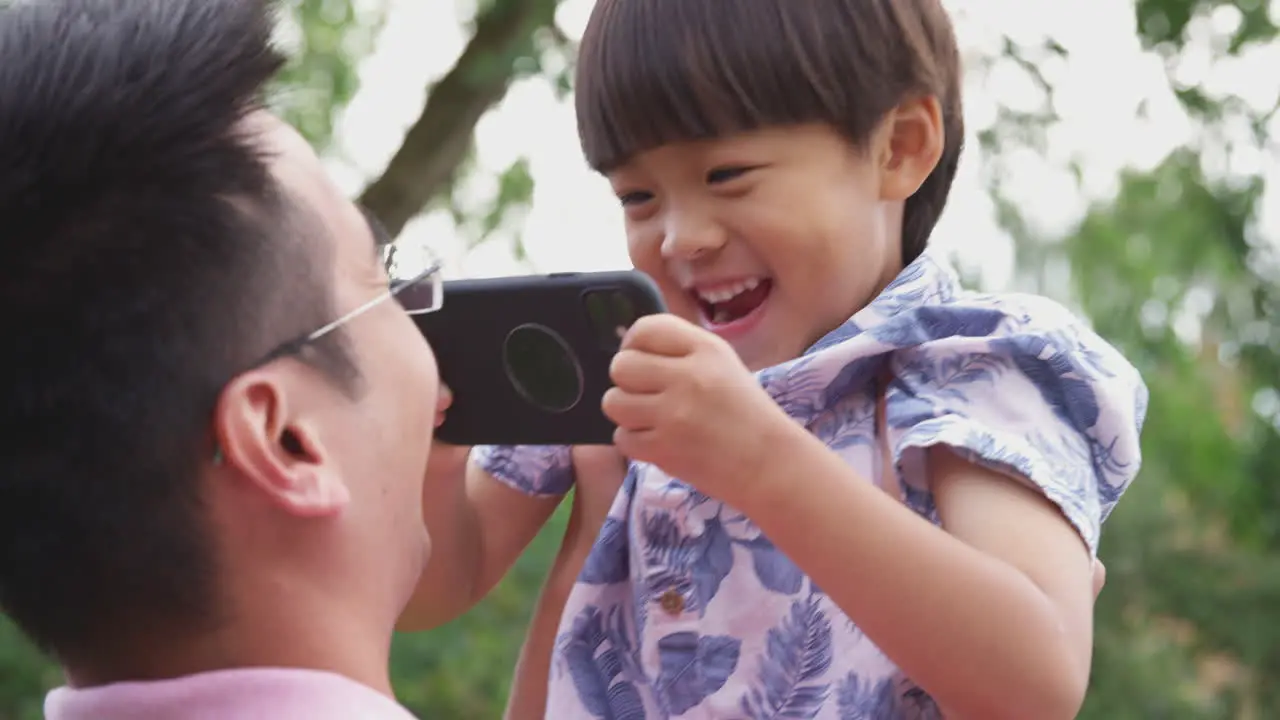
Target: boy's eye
725, 174
635, 198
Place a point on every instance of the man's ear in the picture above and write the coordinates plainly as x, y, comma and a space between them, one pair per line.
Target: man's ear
908, 145
274, 446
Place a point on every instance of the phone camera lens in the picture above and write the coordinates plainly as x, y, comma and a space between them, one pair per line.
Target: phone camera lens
611, 313
542, 368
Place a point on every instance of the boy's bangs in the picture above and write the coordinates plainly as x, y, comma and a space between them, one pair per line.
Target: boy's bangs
652, 72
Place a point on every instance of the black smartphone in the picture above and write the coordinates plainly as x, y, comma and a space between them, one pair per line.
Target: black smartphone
527, 358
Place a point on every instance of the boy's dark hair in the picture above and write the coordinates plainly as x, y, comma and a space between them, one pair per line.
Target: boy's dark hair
652, 72
147, 258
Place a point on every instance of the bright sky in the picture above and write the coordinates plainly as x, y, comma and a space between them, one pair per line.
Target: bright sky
575, 222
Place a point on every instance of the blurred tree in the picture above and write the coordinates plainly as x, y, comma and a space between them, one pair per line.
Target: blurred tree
508, 41
325, 40
1174, 271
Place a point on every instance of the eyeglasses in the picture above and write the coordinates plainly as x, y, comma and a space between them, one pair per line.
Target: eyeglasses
419, 294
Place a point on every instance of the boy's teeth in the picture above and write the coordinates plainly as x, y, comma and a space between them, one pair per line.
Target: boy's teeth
728, 292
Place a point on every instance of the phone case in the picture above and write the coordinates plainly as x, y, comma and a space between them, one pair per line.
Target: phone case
501, 345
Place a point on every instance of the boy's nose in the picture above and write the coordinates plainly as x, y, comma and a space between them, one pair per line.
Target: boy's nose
689, 238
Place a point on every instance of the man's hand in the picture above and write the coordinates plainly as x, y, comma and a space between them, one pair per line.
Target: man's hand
685, 402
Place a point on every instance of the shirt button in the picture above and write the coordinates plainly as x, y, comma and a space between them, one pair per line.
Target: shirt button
672, 601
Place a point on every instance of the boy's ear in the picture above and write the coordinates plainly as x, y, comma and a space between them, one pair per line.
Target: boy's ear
908, 146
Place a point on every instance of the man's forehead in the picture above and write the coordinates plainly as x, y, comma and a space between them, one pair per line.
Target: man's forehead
290, 158
298, 168
381, 238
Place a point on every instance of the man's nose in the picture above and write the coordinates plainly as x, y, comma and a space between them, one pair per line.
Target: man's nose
690, 236
444, 398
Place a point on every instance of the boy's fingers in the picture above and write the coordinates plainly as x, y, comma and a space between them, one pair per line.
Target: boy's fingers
661, 334
1099, 577
639, 371
630, 410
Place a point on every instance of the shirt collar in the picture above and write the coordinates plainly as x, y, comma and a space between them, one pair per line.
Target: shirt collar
237, 693
927, 280
802, 386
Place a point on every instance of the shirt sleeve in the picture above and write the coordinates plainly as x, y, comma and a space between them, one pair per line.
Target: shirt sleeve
536, 470
1040, 397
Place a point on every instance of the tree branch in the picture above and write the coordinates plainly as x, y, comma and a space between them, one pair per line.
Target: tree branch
438, 141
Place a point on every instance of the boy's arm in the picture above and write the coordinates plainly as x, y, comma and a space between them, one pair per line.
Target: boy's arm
992, 616
600, 472
528, 698
478, 525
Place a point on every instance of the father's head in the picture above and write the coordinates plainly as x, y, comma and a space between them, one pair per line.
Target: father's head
191, 475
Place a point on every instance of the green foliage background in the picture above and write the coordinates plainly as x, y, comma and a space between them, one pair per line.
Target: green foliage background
1189, 624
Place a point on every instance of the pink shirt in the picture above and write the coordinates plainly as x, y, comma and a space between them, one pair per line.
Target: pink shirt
246, 694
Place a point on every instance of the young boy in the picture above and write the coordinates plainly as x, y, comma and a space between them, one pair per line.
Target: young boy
855, 490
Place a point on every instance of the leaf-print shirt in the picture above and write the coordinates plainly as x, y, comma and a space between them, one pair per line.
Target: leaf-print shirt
685, 610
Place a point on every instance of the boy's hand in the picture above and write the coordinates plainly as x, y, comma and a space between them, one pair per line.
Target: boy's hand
685, 402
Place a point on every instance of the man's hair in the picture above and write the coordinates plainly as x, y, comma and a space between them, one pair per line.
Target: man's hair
148, 257
651, 72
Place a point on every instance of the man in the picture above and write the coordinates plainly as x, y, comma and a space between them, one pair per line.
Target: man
215, 419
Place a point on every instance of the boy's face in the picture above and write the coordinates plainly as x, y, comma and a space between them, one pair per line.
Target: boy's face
770, 239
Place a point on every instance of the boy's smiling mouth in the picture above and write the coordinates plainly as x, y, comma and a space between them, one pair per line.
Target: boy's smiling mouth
731, 308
